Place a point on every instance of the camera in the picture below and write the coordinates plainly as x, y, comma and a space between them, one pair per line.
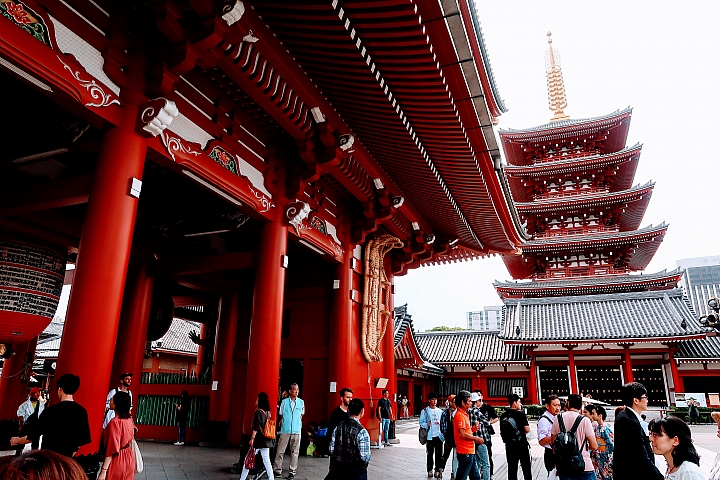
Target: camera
711, 321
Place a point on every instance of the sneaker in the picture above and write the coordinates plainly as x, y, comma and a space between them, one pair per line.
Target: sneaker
179, 443
438, 474
387, 444
277, 473
291, 476
431, 474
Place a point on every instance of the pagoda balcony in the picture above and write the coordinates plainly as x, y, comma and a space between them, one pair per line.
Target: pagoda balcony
583, 230
566, 273
574, 192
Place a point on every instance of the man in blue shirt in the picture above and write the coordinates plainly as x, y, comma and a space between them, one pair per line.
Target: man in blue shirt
290, 415
350, 445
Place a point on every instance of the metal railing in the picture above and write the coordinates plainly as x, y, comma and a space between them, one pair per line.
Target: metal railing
160, 410
176, 378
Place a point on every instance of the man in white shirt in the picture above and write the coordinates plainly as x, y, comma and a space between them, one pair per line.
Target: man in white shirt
125, 382
430, 419
544, 429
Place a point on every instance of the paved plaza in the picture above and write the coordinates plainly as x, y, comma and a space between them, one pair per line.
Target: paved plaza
405, 460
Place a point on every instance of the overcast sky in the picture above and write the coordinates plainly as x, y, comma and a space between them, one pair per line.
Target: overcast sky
661, 58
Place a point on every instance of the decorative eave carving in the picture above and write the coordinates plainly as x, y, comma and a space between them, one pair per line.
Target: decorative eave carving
313, 230
295, 213
207, 167
233, 12
157, 115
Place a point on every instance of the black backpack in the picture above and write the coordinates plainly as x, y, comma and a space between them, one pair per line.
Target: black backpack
509, 431
568, 453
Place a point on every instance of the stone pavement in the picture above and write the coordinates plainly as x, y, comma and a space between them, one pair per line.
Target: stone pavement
405, 460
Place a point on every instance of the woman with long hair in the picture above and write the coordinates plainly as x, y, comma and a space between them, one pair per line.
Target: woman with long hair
181, 416
119, 463
258, 441
672, 439
602, 457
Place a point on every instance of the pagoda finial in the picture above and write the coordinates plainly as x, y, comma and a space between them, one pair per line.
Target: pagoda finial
557, 101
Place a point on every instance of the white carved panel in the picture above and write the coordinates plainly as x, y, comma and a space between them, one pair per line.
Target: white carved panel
254, 175
88, 56
189, 131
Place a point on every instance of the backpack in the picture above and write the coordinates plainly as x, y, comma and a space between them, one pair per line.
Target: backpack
269, 428
568, 454
509, 431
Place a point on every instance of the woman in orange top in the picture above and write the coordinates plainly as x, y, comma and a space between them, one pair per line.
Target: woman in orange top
464, 439
119, 462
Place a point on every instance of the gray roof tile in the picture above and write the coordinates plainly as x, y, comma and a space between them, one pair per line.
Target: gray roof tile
615, 317
467, 347
703, 348
567, 123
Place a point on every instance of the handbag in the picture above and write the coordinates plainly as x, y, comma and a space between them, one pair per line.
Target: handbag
250, 459
139, 464
269, 428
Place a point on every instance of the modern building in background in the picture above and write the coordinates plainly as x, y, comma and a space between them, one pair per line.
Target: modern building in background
488, 319
701, 281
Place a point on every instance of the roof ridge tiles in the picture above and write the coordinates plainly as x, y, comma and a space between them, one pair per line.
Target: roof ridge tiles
597, 297
567, 123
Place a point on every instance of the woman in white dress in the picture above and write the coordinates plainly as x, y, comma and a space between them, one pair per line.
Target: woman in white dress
672, 439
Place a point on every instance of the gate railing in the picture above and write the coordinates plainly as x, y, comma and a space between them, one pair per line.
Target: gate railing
176, 378
160, 410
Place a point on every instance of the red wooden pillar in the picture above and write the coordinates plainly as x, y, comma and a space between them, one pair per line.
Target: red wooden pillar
263, 371
201, 350
132, 332
572, 372
341, 327
15, 381
389, 339
677, 379
627, 364
223, 369
91, 326
533, 390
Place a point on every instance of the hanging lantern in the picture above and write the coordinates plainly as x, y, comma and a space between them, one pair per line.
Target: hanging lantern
31, 279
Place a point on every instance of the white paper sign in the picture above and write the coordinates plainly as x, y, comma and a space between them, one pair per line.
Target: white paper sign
333, 387
214, 384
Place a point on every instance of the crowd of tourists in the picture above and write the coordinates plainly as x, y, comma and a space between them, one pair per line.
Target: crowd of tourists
578, 443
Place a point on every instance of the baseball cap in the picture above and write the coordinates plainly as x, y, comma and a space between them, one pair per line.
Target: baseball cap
34, 390
126, 374
474, 397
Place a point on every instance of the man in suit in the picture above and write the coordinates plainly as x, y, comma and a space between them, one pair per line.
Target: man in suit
633, 457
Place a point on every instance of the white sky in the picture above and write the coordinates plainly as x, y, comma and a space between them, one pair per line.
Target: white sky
661, 58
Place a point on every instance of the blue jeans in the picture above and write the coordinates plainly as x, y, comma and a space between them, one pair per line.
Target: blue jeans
467, 466
182, 425
585, 476
385, 427
483, 461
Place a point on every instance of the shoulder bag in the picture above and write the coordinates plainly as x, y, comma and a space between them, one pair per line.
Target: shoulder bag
423, 432
269, 428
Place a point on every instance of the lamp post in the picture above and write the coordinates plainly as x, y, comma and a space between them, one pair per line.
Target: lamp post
711, 321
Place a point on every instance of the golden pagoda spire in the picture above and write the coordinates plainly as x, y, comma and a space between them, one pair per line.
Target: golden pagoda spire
557, 101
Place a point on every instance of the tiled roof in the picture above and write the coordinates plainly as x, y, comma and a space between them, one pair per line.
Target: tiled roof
595, 281
606, 317
53, 328
703, 348
485, 56
467, 347
48, 349
176, 339
563, 164
401, 322
565, 240
567, 123
596, 198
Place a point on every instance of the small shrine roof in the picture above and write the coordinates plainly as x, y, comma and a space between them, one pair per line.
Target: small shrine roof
468, 347
701, 349
177, 337
566, 123
404, 351
635, 316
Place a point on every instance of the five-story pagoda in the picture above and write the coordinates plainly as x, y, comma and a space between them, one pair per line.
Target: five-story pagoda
588, 324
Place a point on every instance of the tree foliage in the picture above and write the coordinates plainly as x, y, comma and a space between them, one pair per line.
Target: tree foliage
443, 328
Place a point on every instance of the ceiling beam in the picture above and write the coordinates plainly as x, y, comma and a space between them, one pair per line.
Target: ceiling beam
205, 264
60, 193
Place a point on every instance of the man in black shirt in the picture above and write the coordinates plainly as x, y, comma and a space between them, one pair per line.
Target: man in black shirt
385, 415
513, 428
340, 414
491, 415
64, 427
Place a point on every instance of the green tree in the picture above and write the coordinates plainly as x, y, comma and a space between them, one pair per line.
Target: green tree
443, 328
